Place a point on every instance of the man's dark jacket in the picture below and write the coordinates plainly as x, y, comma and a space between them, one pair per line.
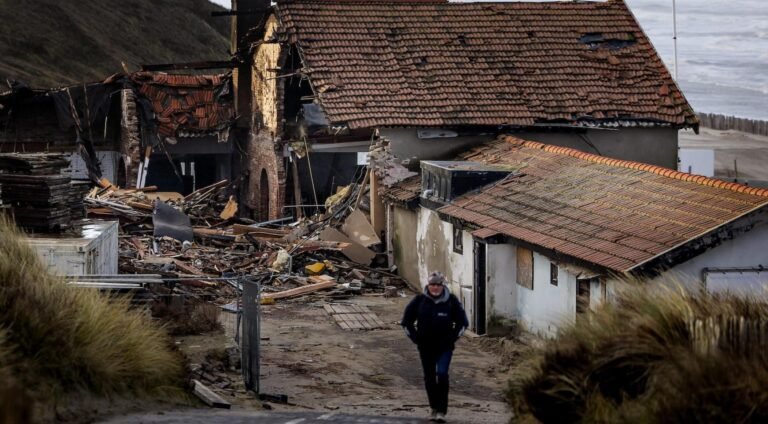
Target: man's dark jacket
434, 323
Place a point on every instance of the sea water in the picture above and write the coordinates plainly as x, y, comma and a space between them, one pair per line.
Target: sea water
722, 51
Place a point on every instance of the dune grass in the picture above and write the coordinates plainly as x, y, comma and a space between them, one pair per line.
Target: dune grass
66, 339
656, 355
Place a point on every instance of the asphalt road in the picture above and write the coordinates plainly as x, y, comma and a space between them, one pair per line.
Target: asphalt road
258, 417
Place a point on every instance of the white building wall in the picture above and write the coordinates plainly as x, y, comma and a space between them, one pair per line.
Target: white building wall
744, 251
434, 243
546, 308
501, 270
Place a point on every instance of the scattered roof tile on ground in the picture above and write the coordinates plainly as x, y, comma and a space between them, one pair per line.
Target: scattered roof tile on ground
613, 213
515, 63
191, 103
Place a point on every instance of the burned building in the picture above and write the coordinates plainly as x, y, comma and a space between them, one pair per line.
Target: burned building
68, 119
144, 128
435, 78
184, 122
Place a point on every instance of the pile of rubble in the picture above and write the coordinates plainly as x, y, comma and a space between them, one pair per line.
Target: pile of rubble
36, 192
198, 242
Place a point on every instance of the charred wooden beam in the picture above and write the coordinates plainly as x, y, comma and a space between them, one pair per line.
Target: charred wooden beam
239, 12
210, 64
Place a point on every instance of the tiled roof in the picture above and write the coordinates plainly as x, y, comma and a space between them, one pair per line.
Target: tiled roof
507, 63
192, 104
613, 213
404, 191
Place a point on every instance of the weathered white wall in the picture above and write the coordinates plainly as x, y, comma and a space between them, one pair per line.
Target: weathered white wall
435, 251
501, 270
541, 310
404, 245
745, 250
546, 308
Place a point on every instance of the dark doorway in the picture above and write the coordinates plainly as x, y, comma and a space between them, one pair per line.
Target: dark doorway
478, 320
264, 196
582, 296
122, 178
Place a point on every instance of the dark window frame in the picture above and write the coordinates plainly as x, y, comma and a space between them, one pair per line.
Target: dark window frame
458, 241
553, 274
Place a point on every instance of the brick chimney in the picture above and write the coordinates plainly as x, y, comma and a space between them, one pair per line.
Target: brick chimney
247, 15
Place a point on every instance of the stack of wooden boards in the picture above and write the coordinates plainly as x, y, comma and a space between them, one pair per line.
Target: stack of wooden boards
36, 192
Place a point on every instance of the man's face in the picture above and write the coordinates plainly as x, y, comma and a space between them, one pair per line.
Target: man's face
435, 289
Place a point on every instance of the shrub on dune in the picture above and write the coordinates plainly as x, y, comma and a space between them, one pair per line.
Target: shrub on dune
658, 354
68, 339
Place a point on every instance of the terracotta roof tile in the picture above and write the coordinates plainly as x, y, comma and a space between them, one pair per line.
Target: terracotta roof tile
404, 191
192, 103
614, 213
417, 63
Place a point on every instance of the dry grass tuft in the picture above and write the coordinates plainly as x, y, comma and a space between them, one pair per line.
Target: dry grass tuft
661, 355
71, 339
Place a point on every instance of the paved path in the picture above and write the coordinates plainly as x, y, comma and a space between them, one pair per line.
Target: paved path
258, 417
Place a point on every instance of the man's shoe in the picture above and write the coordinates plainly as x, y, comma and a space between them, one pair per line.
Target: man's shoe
439, 418
432, 415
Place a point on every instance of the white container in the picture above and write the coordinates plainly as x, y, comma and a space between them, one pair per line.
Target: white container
92, 252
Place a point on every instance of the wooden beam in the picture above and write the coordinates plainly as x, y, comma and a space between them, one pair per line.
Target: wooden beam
208, 64
219, 13
209, 397
321, 282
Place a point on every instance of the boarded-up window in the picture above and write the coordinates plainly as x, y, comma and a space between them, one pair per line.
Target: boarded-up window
525, 267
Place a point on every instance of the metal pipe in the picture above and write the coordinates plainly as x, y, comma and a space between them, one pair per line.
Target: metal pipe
301, 206
674, 33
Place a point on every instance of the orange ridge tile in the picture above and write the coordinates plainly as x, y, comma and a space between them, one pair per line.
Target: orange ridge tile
665, 172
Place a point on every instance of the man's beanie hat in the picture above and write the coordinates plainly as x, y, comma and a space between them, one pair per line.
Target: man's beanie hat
436, 278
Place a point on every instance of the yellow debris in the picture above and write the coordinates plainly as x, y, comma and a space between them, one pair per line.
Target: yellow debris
315, 268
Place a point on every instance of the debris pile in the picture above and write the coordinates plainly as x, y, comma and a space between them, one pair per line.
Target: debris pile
198, 242
37, 193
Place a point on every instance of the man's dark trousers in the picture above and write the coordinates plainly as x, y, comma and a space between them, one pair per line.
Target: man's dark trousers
435, 364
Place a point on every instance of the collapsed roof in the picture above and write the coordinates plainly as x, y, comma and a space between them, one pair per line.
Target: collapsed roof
188, 105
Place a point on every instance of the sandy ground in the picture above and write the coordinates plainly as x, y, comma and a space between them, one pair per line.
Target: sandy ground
750, 152
376, 372
327, 371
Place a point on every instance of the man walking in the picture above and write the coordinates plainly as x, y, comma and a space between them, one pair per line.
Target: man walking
434, 321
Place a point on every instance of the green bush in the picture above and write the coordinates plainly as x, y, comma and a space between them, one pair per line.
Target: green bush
658, 354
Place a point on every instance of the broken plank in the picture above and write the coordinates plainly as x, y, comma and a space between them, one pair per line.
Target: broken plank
300, 291
209, 397
356, 252
230, 209
259, 231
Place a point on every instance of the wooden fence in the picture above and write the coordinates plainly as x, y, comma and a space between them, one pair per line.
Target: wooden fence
729, 333
722, 122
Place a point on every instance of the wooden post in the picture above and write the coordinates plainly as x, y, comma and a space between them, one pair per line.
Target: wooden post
378, 218
362, 188
296, 186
